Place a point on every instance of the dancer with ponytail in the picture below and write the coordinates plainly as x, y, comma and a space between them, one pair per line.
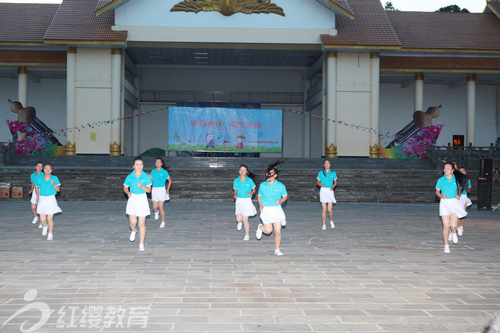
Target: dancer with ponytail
272, 194
450, 209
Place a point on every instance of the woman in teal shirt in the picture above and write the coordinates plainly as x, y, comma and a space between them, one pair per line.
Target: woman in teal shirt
450, 209
327, 181
46, 189
136, 185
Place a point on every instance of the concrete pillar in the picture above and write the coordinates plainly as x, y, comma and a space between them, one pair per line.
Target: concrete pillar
116, 88
374, 103
306, 124
419, 92
331, 104
22, 86
70, 146
471, 109
135, 133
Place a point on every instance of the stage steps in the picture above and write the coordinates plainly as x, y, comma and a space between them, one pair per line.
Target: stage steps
215, 184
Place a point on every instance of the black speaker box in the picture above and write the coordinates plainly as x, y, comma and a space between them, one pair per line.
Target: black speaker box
486, 168
484, 193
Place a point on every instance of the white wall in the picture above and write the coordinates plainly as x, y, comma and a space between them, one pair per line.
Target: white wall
396, 110
48, 98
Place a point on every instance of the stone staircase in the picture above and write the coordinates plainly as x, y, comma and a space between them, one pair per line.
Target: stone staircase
100, 178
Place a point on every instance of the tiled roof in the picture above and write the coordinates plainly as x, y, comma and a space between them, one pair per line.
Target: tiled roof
494, 7
446, 31
16, 57
371, 27
439, 63
340, 6
102, 3
25, 23
76, 21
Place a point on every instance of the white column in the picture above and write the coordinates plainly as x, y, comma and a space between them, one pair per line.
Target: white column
116, 87
323, 108
331, 98
306, 123
70, 100
419, 92
22, 86
375, 93
471, 109
135, 133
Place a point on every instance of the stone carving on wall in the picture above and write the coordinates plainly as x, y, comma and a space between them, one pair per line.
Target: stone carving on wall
229, 7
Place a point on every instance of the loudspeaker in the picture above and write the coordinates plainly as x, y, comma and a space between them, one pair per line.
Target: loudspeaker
484, 193
486, 168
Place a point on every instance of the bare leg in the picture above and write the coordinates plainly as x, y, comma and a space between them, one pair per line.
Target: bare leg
142, 228
33, 209
323, 212
246, 224
133, 222
239, 218
330, 211
43, 220
162, 210
446, 228
50, 219
155, 206
277, 234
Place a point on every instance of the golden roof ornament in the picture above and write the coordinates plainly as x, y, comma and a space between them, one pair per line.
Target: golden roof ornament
229, 7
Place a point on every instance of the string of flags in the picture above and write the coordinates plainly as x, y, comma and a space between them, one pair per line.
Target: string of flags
98, 124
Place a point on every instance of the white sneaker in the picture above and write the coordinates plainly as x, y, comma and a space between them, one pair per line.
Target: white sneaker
49, 237
40, 226
246, 238
277, 252
44, 231
35, 220
332, 225
460, 231
324, 227
239, 226
446, 249
141, 247
283, 223
450, 237
258, 233
162, 225
454, 238
132, 236
157, 215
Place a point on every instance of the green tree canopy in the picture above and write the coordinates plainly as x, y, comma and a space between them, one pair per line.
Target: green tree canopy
453, 9
389, 7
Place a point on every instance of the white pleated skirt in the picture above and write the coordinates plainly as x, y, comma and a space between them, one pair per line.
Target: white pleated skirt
138, 205
464, 200
33, 197
326, 195
272, 215
245, 207
450, 206
159, 194
48, 205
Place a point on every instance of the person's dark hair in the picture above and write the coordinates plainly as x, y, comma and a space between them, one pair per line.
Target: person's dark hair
324, 170
496, 170
163, 166
39, 162
250, 175
273, 166
138, 158
461, 180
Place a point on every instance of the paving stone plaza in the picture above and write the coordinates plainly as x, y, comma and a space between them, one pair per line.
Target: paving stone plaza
382, 269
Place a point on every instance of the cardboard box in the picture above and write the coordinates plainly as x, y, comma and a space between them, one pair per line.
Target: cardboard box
4, 192
17, 192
